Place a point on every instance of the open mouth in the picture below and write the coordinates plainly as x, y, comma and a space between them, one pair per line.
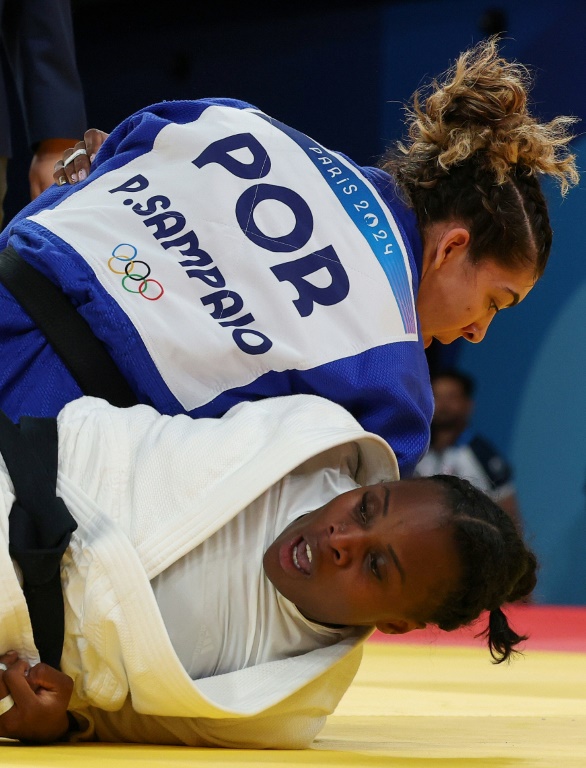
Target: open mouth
302, 556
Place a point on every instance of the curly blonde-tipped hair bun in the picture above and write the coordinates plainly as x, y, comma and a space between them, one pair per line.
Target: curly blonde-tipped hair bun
480, 106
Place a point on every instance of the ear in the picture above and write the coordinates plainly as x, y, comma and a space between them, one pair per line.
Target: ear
399, 627
454, 242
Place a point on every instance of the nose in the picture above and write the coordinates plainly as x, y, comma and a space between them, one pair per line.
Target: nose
475, 332
345, 542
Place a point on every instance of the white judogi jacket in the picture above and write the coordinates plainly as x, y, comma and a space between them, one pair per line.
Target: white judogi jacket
145, 489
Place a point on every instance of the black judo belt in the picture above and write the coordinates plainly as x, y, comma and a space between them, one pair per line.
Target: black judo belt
68, 333
39, 526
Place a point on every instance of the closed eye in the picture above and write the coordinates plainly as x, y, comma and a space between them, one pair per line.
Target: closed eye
364, 511
374, 566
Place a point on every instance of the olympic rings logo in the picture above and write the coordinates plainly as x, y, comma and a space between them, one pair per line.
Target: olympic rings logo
134, 281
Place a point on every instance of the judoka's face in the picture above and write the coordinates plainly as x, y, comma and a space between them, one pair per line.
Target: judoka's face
381, 555
457, 298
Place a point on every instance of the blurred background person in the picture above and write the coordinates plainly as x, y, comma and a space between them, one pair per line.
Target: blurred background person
457, 450
38, 45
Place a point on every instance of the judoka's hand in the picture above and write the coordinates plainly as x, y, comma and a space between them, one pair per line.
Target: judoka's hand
85, 151
41, 695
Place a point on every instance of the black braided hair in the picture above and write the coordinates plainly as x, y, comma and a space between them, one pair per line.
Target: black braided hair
508, 222
497, 566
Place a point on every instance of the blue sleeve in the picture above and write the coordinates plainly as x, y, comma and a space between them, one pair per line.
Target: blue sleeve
386, 389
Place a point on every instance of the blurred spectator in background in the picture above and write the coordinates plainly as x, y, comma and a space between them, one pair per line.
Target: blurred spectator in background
456, 450
37, 38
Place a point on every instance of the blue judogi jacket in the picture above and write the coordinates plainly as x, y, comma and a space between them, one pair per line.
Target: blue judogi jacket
222, 256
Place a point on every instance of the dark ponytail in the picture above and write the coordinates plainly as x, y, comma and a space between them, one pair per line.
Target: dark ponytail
500, 638
497, 566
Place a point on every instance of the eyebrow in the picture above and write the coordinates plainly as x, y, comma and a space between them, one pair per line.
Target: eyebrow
390, 550
395, 560
516, 298
386, 501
